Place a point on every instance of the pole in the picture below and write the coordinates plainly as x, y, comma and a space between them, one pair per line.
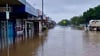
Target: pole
7, 29
42, 8
42, 13
42, 53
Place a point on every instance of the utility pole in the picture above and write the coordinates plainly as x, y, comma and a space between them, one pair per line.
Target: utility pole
42, 13
42, 50
42, 8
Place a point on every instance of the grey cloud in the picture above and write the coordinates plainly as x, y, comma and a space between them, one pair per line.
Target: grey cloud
59, 9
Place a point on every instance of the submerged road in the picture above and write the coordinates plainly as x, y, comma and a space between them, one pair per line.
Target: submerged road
60, 41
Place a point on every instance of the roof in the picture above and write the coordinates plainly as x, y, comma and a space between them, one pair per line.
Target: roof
10, 2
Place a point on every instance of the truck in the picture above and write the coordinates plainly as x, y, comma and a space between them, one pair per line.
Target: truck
94, 25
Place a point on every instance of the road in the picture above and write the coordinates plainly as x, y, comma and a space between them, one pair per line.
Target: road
60, 41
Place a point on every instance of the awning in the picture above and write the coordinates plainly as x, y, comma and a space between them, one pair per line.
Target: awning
10, 2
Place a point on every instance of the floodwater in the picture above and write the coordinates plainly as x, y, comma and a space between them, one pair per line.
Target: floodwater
60, 41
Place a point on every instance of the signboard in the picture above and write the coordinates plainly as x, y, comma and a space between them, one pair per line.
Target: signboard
31, 10
7, 14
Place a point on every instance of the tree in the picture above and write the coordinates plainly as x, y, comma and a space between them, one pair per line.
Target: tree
76, 20
92, 14
89, 14
64, 22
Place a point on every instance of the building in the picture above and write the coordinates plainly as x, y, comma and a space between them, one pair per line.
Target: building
21, 22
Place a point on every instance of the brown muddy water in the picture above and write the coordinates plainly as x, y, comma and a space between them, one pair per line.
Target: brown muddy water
60, 41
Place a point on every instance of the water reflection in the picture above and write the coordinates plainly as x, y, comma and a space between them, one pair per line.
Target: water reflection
92, 36
91, 43
29, 47
60, 41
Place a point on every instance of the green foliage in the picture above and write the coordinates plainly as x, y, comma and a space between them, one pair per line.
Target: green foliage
77, 20
64, 22
91, 14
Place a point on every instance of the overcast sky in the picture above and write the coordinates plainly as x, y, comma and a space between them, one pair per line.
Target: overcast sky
64, 9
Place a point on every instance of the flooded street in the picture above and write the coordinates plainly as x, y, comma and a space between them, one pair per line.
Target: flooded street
60, 41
